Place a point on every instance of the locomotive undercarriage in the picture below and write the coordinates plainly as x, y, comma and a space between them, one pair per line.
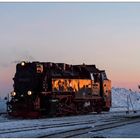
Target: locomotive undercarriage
61, 105
25, 111
55, 105
23, 107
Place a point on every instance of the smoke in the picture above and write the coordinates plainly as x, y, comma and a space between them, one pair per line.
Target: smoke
14, 56
23, 56
10, 57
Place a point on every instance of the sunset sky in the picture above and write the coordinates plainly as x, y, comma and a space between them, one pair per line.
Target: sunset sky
105, 34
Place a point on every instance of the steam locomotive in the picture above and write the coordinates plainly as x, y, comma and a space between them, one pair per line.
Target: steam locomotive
58, 89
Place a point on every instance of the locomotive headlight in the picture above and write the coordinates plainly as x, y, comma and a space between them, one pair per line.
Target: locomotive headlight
29, 93
22, 63
13, 93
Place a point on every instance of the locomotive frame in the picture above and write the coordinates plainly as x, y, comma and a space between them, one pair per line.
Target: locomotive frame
58, 89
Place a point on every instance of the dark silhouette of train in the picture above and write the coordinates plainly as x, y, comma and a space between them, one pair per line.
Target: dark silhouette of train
58, 89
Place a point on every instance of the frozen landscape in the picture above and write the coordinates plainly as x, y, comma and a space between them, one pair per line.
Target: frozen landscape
122, 100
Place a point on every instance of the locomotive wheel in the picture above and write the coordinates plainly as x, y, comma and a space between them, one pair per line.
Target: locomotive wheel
98, 110
66, 109
98, 107
81, 110
106, 109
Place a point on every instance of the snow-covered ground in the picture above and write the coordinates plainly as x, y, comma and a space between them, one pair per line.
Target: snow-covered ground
121, 100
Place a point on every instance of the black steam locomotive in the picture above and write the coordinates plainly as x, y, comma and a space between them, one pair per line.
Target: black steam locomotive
57, 89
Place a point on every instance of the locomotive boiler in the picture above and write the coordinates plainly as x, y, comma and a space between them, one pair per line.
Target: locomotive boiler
58, 89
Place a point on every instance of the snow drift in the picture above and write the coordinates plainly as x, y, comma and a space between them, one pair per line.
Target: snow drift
122, 99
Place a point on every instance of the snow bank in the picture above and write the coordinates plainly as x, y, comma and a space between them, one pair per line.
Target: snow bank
123, 98
2, 106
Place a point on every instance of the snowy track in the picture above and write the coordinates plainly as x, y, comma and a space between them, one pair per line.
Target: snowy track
73, 126
94, 132
94, 127
45, 126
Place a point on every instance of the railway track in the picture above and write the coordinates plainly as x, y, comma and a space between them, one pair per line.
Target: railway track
45, 126
73, 126
92, 129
